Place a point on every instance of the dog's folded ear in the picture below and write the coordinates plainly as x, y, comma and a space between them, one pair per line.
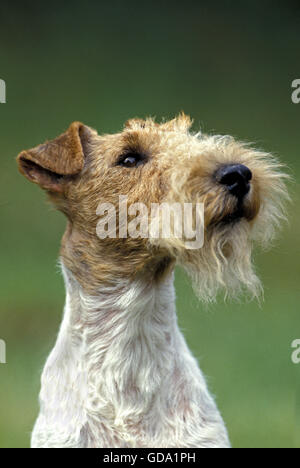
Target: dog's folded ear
51, 164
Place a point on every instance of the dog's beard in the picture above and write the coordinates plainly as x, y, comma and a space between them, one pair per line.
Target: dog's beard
223, 264
225, 261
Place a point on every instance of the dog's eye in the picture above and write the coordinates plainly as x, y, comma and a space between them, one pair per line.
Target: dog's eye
131, 160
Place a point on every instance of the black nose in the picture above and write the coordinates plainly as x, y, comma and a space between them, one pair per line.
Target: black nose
236, 177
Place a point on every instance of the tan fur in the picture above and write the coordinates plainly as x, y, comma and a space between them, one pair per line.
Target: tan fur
121, 374
79, 171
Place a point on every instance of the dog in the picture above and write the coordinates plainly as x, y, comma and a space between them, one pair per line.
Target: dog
121, 374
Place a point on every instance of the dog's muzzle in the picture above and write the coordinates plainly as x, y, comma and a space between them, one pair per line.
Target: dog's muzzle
236, 178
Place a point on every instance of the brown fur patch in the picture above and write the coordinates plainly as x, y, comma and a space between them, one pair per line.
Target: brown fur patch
80, 169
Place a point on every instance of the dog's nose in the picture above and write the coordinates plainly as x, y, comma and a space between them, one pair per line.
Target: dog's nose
236, 177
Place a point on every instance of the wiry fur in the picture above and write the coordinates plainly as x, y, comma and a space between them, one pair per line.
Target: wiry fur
225, 263
120, 374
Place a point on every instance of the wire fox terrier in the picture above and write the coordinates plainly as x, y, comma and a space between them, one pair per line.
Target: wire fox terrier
121, 374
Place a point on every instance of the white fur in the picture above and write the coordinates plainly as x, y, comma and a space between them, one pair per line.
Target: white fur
121, 375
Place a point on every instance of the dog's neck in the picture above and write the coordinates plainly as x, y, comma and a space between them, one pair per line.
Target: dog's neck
121, 375
114, 354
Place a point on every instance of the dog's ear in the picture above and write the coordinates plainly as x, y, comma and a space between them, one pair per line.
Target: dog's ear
51, 164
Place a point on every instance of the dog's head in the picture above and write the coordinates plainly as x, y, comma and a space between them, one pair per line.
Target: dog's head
88, 176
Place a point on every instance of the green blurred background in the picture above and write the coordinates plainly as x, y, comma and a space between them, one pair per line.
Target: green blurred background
230, 66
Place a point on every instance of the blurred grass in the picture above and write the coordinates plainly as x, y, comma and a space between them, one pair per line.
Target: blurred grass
231, 68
